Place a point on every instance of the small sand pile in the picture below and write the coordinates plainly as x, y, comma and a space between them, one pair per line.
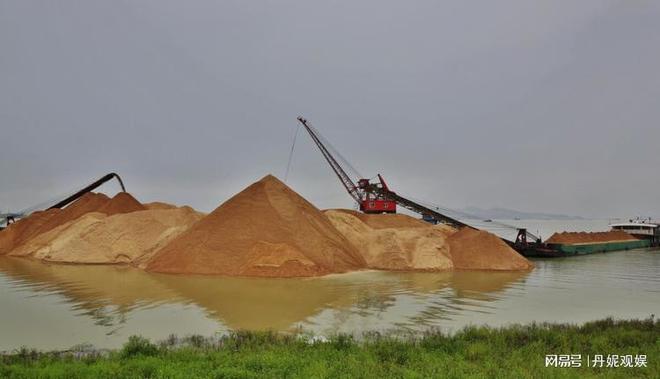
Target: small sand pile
120, 238
394, 241
592, 237
265, 230
122, 202
479, 250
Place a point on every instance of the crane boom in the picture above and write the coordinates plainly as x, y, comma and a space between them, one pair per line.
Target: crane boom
350, 186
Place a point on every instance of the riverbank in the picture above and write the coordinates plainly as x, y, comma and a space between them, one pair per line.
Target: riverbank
514, 351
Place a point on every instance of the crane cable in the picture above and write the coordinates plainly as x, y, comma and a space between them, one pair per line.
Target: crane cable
345, 164
293, 145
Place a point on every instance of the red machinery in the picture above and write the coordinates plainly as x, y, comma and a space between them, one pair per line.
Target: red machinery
377, 198
372, 197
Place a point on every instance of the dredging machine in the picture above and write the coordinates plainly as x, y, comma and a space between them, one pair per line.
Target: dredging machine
377, 197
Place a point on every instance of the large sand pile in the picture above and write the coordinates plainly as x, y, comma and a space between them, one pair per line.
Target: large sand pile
394, 242
265, 230
120, 238
472, 249
41, 222
592, 237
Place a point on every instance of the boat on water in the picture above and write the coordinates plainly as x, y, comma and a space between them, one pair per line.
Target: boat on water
646, 234
645, 229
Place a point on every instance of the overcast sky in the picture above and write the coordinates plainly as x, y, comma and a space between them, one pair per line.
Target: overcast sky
549, 106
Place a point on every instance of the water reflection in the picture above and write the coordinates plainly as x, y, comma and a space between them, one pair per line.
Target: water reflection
108, 294
50, 306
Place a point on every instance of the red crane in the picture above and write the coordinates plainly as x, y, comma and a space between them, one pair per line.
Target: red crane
371, 197
378, 198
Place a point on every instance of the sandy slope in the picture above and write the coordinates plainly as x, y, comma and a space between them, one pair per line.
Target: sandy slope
265, 230
394, 242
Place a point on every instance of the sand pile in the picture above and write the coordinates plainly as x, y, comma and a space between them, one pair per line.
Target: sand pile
89, 202
159, 205
385, 221
394, 241
38, 223
122, 202
120, 238
22, 230
265, 230
472, 249
592, 237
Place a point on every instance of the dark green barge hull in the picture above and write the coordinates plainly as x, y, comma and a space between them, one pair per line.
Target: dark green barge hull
601, 247
558, 250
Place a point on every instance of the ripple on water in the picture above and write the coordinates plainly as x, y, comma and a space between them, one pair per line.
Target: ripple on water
105, 303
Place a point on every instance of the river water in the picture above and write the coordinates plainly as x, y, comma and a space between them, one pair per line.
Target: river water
50, 306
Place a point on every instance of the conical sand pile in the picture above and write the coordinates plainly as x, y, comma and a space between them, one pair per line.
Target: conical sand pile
394, 242
265, 230
122, 202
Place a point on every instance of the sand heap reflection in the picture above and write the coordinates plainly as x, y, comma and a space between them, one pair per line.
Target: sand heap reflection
109, 293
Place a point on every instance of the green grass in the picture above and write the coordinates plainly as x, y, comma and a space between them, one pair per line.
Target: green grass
476, 352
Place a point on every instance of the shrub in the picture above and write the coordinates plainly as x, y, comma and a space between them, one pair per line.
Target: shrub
138, 346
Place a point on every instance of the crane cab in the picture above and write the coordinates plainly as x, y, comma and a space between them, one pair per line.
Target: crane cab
375, 197
378, 206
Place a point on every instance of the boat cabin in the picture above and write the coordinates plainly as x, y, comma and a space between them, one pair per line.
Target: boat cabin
643, 229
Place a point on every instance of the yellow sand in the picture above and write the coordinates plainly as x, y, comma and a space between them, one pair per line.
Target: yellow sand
123, 238
265, 230
394, 242
159, 205
480, 250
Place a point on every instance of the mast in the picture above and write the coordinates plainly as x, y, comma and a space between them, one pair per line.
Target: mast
350, 186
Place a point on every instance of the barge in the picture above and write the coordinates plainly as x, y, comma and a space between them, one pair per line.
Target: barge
566, 249
640, 234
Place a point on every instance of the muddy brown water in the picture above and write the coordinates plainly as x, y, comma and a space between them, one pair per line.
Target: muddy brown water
50, 306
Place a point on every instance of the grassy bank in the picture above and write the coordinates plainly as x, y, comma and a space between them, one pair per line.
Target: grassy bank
512, 352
